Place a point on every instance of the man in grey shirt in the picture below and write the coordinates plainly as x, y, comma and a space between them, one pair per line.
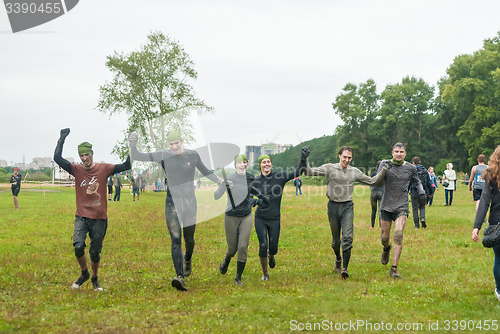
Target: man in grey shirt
394, 204
341, 177
476, 182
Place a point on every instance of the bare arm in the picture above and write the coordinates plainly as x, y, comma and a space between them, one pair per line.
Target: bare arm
472, 172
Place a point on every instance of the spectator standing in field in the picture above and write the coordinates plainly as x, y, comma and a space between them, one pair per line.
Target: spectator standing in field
198, 183
297, 182
476, 182
134, 181
143, 184
238, 220
450, 176
118, 187
417, 205
341, 178
15, 181
434, 185
394, 204
268, 216
110, 187
179, 164
91, 205
490, 198
375, 197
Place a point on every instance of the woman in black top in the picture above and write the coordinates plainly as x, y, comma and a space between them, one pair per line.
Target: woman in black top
238, 217
267, 217
490, 198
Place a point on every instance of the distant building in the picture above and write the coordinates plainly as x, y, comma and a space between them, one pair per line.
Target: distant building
3, 163
254, 152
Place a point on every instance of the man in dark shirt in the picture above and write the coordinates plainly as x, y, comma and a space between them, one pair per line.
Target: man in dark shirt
394, 204
91, 205
180, 205
417, 205
15, 179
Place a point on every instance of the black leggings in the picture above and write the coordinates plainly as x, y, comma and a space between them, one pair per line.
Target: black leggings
268, 233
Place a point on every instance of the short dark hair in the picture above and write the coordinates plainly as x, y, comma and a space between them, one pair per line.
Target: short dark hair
416, 160
399, 145
481, 158
346, 148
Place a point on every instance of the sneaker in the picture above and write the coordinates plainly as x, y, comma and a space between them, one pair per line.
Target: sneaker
272, 261
82, 279
497, 294
344, 274
223, 267
424, 225
238, 282
264, 277
385, 255
394, 272
187, 267
96, 285
179, 283
337, 269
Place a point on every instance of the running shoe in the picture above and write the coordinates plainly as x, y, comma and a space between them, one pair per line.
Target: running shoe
238, 282
385, 255
82, 279
272, 261
179, 283
424, 225
497, 294
264, 277
224, 266
337, 269
344, 274
187, 266
394, 272
96, 285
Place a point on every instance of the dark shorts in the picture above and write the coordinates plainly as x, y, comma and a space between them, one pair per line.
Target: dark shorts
15, 191
476, 194
110, 189
96, 229
135, 191
392, 216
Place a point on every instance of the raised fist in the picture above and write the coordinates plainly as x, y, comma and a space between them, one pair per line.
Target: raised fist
64, 132
387, 164
304, 152
133, 138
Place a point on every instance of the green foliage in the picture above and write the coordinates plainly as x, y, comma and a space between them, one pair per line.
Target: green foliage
471, 97
152, 87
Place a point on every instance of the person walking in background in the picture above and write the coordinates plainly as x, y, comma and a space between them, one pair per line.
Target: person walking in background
110, 187
118, 187
297, 182
418, 206
91, 205
450, 177
490, 198
434, 185
394, 204
15, 181
340, 179
268, 216
134, 181
238, 220
143, 184
476, 182
375, 197
179, 165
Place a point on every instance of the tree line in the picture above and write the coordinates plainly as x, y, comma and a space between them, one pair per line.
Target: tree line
455, 125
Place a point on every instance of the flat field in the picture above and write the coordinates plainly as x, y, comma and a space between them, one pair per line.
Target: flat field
446, 282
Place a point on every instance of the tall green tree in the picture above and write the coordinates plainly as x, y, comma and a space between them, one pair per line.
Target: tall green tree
471, 95
357, 107
406, 116
152, 86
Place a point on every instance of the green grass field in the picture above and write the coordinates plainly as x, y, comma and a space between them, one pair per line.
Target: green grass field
445, 277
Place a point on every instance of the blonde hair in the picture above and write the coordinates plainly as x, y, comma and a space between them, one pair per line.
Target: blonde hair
493, 170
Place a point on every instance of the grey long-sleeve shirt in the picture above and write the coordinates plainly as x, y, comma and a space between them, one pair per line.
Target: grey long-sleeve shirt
341, 182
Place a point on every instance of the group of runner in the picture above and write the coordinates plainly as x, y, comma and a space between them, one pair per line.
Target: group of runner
394, 177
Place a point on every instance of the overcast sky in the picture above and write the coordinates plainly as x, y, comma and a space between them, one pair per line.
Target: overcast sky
269, 68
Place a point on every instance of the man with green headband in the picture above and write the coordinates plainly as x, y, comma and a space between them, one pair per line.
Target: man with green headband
180, 205
91, 205
394, 204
